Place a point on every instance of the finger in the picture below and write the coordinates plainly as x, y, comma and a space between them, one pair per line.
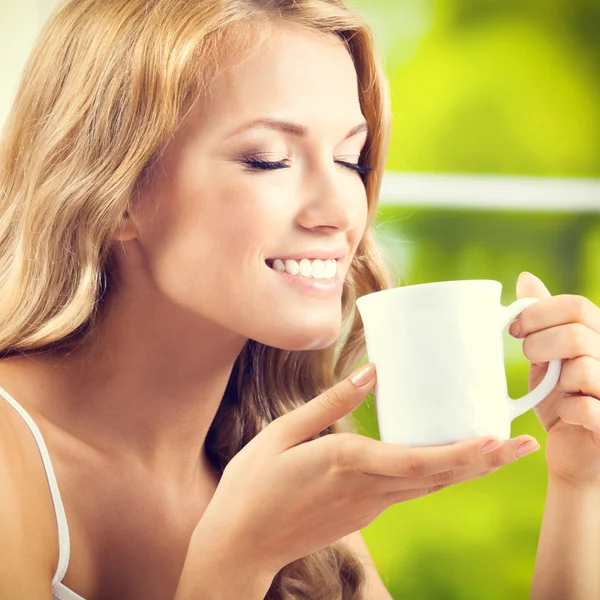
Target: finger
404, 495
564, 341
529, 285
559, 310
306, 422
580, 376
580, 410
506, 454
383, 458
398, 496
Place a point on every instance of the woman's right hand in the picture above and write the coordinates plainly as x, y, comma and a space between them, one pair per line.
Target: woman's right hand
286, 494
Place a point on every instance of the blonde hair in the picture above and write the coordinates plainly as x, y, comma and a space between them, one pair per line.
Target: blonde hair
107, 85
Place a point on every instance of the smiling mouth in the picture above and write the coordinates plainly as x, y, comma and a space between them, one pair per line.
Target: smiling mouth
316, 269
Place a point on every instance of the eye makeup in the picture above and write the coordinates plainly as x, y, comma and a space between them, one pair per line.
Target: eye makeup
256, 163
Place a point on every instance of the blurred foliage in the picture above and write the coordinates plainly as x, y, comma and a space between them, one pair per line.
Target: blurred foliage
492, 86
485, 86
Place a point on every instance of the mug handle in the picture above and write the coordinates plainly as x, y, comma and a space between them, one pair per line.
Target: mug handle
536, 395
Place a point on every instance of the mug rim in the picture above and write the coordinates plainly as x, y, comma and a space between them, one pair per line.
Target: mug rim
450, 283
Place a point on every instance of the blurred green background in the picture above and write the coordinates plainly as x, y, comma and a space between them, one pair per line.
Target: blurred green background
496, 87
485, 87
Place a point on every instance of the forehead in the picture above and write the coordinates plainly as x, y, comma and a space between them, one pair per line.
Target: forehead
293, 73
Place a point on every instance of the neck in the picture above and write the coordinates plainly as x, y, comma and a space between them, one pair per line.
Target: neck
145, 387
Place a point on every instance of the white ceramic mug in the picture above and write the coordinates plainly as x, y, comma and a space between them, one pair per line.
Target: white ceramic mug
439, 353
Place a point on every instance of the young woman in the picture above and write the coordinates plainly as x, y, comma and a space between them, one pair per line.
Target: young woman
187, 189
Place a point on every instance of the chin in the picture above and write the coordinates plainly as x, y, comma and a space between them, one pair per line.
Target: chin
297, 340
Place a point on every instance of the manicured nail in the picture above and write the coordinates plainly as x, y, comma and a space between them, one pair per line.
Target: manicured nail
364, 375
526, 448
491, 445
515, 328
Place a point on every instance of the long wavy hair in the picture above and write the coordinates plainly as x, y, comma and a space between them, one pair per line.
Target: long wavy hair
107, 85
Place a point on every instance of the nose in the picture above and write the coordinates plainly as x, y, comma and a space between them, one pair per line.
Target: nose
332, 199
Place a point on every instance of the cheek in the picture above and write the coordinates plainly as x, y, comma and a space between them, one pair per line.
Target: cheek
243, 217
222, 233
364, 214
360, 221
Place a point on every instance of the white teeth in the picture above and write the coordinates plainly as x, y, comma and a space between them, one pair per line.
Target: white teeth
291, 267
330, 268
305, 267
319, 269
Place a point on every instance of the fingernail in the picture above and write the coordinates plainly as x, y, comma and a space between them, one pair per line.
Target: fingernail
363, 376
491, 445
526, 448
515, 328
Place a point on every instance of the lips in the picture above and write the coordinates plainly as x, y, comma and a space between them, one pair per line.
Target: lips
316, 253
270, 261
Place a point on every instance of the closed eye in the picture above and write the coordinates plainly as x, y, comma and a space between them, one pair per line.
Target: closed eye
355, 167
264, 165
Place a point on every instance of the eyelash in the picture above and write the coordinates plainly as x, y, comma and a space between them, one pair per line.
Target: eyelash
256, 163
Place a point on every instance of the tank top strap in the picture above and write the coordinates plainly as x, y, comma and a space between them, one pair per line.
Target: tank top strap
64, 544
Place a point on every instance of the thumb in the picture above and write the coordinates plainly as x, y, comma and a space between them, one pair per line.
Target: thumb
530, 286
306, 422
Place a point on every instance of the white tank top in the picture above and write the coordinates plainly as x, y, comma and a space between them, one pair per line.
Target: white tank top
59, 591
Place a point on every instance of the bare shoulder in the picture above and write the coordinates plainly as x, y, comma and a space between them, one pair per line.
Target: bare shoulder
376, 589
26, 553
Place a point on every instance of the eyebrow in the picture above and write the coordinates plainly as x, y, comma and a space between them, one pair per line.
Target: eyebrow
292, 128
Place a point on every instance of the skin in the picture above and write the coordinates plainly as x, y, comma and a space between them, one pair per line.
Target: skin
138, 398
566, 327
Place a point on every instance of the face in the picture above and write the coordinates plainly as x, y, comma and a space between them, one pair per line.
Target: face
235, 202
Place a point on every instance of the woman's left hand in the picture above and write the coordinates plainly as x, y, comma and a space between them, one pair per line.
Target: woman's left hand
565, 327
